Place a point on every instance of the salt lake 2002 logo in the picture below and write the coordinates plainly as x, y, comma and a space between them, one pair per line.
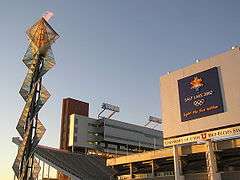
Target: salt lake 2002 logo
196, 83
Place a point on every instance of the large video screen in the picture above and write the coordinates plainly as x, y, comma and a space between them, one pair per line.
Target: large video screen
200, 95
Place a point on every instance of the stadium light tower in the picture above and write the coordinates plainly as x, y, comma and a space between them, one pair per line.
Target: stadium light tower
153, 119
39, 60
109, 107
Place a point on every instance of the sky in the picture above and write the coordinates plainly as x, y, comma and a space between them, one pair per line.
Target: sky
110, 51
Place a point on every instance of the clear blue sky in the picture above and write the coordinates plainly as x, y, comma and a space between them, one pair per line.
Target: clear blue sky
109, 50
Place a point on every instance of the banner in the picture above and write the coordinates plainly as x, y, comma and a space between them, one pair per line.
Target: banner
200, 95
233, 131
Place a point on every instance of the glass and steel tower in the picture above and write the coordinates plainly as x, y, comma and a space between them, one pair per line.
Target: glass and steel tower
39, 60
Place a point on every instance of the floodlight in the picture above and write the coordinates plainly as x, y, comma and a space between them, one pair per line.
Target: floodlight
110, 107
105, 106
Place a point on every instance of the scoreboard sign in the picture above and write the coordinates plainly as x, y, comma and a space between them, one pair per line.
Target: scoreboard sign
200, 95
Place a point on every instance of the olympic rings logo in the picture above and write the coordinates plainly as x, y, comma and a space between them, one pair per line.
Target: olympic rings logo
199, 102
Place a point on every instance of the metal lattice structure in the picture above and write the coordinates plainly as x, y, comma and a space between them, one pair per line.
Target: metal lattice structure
39, 60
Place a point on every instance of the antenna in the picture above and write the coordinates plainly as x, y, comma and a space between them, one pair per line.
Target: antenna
39, 60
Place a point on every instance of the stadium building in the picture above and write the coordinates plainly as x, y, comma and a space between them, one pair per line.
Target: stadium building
201, 126
200, 140
105, 136
102, 136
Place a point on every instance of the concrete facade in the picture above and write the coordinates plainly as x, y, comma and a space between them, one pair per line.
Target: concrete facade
228, 64
70, 106
205, 147
125, 133
112, 136
209, 161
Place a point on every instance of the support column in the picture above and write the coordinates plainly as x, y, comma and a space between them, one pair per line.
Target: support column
177, 164
152, 163
48, 171
211, 162
43, 169
131, 170
40, 170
